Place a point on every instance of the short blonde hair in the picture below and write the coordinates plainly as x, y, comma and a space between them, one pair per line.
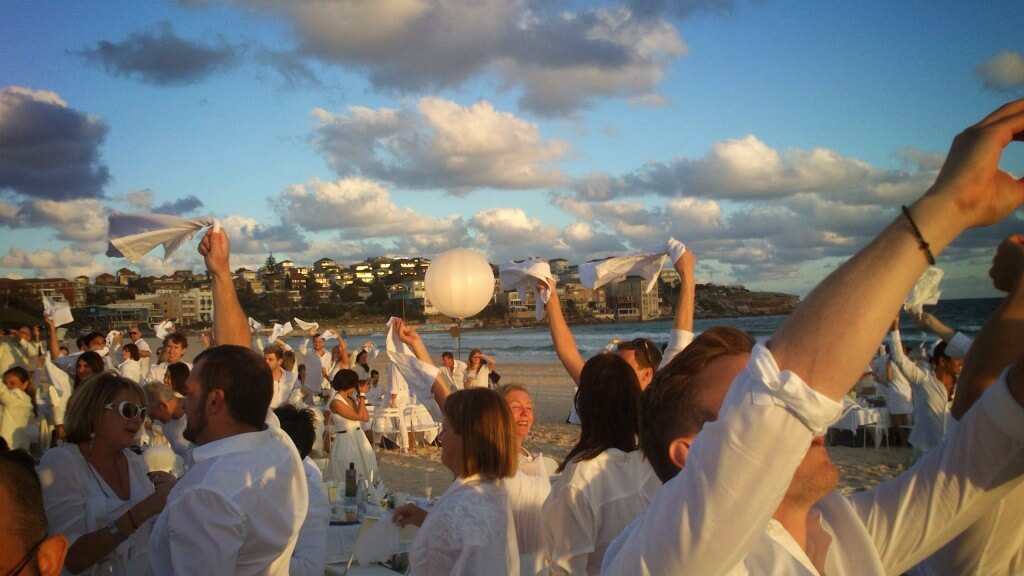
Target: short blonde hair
489, 440
87, 402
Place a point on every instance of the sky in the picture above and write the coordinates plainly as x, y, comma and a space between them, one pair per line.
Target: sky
774, 138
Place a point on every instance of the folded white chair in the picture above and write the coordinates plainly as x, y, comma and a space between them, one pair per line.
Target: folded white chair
132, 236
597, 273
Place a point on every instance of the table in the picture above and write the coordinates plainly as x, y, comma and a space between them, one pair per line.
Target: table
860, 416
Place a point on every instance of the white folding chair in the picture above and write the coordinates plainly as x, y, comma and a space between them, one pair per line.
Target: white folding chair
877, 427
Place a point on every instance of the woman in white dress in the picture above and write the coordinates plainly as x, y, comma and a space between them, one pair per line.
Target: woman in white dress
350, 444
478, 370
19, 414
529, 488
361, 364
130, 368
470, 530
95, 490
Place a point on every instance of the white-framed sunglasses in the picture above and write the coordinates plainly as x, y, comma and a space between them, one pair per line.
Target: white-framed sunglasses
127, 410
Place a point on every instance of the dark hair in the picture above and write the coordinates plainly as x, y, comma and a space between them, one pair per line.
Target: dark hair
671, 407
133, 350
362, 354
608, 403
24, 493
489, 441
80, 342
298, 425
274, 349
939, 352
345, 380
288, 360
177, 338
95, 362
30, 390
374, 373
92, 336
447, 354
179, 372
244, 377
647, 353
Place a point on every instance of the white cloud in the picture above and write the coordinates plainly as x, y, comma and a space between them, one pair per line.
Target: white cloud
1003, 72
440, 145
64, 263
140, 199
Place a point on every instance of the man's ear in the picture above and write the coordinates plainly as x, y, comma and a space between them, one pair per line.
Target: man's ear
51, 553
678, 450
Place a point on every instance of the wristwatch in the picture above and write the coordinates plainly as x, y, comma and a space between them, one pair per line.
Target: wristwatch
116, 533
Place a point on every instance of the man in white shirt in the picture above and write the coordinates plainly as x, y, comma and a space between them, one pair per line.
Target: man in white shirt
240, 507
93, 341
932, 391
318, 364
175, 347
452, 371
310, 555
135, 333
165, 406
284, 380
755, 491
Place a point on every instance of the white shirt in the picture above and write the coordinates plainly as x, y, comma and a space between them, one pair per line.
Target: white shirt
469, 532
315, 363
454, 376
931, 401
158, 371
78, 501
130, 369
59, 391
16, 418
714, 517
477, 378
590, 504
527, 491
237, 510
678, 340
310, 555
283, 389
143, 360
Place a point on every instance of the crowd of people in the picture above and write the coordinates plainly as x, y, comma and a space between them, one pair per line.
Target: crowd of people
706, 457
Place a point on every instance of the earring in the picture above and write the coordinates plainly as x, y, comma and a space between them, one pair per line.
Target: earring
92, 439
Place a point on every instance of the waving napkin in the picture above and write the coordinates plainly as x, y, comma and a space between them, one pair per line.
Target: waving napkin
163, 329
280, 331
59, 312
925, 292
132, 236
254, 325
306, 326
112, 338
419, 375
597, 273
522, 276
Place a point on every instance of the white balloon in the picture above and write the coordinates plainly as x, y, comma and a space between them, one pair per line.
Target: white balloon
459, 283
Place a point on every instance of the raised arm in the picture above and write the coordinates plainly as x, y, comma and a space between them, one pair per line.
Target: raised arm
52, 337
230, 324
911, 371
1000, 342
851, 308
411, 338
932, 324
682, 324
565, 343
491, 362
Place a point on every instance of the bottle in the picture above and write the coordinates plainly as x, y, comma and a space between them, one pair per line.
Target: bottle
350, 480
362, 491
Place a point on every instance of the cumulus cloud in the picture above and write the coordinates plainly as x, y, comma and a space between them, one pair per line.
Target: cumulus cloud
48, 150
180, 206
440, 145
82, 221
140, 199
64, 263
159, 56
561, 58
1003, 72
357, 208
250, 236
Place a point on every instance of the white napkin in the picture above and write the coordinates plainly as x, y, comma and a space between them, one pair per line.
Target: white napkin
280, 331
254, 325
59, 312
306, 326
163, 329
597, 273
132, 236
378, 543
111, 338
329, 335
419, 375
522, 276
159, 458
925, 292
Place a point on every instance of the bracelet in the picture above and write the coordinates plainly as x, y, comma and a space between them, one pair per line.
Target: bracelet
920, 237
116, 533
131, 519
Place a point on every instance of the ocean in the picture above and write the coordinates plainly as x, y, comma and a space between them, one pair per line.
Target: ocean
534, 344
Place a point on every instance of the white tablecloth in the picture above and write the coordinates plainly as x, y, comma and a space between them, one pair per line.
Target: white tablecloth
862, 417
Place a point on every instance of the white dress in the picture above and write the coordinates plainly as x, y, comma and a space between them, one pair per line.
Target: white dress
479, 378
527, 491
350, 445
468, 533
78, 501
17, 422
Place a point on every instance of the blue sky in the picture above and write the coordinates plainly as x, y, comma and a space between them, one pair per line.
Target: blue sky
773, 137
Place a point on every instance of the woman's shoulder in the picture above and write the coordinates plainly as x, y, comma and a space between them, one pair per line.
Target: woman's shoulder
63, 459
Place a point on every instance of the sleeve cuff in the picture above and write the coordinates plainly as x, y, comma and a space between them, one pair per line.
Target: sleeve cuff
786, 389
958, 346
1006, 413
679, 338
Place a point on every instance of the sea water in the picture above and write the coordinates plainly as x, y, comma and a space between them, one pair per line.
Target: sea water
533, 344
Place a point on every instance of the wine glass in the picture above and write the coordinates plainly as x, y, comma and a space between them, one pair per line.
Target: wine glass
428, 490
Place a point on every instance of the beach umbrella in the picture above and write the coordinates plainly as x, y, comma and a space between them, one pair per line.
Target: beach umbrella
459, 284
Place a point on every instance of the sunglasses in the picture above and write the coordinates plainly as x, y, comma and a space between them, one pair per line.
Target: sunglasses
640, 345
28, 558
127, 410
